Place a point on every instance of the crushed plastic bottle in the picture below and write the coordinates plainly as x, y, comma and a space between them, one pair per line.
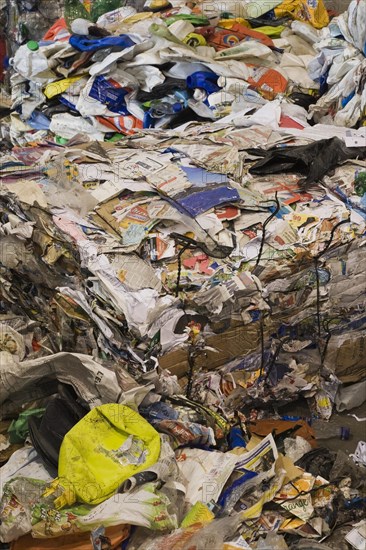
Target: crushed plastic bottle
327, 430
167, 106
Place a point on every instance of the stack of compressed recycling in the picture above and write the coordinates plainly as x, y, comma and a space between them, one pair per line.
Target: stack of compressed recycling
169, 202
26, 20
133, 71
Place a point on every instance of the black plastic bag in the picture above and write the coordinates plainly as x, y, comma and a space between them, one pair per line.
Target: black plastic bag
47, 433
313, 161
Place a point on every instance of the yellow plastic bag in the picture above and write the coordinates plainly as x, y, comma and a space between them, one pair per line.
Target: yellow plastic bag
60, 86
109, 445
309, 11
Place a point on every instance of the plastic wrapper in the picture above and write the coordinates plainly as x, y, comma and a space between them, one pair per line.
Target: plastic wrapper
235, 491
314, 13
198, 536
199, 513
352, 24
345, 466
24, 462
145, 507
296, 447
24, 510
359, 456
91, 10
18, 430
350, 397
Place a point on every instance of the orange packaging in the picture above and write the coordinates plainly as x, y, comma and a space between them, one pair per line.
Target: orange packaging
268, 82
58, 31
125, 124
223, 38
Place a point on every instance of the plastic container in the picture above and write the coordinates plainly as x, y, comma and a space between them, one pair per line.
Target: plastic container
327, 430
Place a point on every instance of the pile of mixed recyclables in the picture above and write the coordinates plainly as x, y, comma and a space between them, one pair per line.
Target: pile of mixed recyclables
182, 218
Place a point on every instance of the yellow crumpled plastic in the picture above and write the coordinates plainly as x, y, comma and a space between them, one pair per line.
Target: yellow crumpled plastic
106, 447
228, 23
308, 11
60, 86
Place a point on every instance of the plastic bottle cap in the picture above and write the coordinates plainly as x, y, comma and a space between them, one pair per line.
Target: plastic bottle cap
177, 107
33, 45
199, 94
